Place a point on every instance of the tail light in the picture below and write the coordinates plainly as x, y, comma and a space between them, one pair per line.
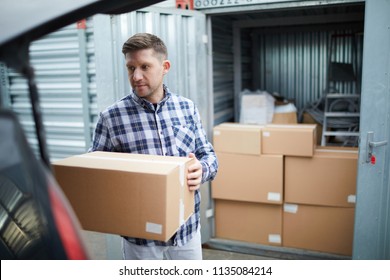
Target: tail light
66, 223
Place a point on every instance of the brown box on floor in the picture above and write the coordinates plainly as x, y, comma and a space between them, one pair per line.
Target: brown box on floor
318, 228
249, 178
328, 178
142, 196
237, 138
249, 222
289, 139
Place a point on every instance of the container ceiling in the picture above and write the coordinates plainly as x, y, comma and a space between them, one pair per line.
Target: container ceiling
298, 14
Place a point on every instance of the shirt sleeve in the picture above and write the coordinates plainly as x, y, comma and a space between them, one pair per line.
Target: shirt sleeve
204, 151
101, 138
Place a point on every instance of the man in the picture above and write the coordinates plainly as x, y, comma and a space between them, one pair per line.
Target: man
153, 120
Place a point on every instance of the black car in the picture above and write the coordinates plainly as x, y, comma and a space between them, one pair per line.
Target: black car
36, 220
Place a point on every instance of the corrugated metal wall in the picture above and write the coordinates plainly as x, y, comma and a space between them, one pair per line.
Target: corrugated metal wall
64, 68
295, 64
223, 67
246, 59
222, 41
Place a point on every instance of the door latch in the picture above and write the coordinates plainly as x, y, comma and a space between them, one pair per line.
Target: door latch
370, 145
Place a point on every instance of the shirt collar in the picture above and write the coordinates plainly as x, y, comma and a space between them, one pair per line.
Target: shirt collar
146, 104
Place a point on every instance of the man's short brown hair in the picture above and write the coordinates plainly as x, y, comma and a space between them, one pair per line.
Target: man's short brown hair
141, 41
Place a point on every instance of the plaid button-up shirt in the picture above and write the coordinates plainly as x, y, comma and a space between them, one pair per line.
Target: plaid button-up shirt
170, 128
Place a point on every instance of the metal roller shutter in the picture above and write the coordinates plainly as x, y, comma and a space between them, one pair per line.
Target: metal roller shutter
65, 74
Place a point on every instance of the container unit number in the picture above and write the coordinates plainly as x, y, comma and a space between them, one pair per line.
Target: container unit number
206, 4
203, 4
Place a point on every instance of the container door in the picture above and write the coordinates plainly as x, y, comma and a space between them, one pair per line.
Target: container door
372, 217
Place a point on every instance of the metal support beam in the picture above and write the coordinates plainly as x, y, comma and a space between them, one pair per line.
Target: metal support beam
81, 30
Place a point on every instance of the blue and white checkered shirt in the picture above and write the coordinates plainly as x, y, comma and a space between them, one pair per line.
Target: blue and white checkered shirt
172, 128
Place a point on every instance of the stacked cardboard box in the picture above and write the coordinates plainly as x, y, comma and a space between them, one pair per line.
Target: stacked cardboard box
276, 187
319, 201
289, 140
248, 190
248, 203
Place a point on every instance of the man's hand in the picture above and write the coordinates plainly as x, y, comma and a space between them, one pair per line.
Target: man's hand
194, 176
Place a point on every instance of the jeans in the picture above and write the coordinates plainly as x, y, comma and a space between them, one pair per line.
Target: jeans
190, 251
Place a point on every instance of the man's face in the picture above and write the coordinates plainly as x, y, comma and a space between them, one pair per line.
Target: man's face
146, 71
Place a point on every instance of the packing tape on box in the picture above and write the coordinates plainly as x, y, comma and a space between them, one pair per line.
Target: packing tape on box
351, 198
273, 196
274, 238
157, 228
266, 134
290, 208
154, 228
180, 164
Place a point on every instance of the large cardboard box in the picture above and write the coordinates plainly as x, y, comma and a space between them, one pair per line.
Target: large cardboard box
285, 118
289, 139
141, 196
249, 222
249, 178
237, 138
318, 228
328, 178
